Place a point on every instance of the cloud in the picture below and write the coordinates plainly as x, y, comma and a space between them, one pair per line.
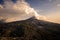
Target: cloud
55, 17
13, 11
58, 5
1, 6
50, 0
20, 10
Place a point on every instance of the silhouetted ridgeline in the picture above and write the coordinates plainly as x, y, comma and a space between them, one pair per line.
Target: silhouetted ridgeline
30, 29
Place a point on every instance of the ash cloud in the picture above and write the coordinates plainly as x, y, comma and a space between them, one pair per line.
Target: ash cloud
20, 10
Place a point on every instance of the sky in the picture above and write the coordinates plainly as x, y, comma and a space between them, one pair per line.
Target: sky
44, 7
48, 8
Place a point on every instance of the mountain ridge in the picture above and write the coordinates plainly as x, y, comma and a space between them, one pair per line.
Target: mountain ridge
30, 29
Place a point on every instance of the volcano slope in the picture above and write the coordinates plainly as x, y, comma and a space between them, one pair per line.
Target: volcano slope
30, 29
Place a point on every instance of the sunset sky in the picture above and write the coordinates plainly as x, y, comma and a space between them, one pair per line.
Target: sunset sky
48, 8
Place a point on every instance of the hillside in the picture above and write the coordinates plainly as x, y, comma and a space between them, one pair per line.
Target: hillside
30, 29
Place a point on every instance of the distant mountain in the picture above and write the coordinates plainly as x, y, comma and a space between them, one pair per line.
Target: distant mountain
30, 29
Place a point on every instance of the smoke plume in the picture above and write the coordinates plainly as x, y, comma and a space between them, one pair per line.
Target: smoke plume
20, 10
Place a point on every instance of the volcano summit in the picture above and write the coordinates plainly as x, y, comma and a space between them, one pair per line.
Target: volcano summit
30, 29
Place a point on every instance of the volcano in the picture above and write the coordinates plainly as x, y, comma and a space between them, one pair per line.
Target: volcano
30, 29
